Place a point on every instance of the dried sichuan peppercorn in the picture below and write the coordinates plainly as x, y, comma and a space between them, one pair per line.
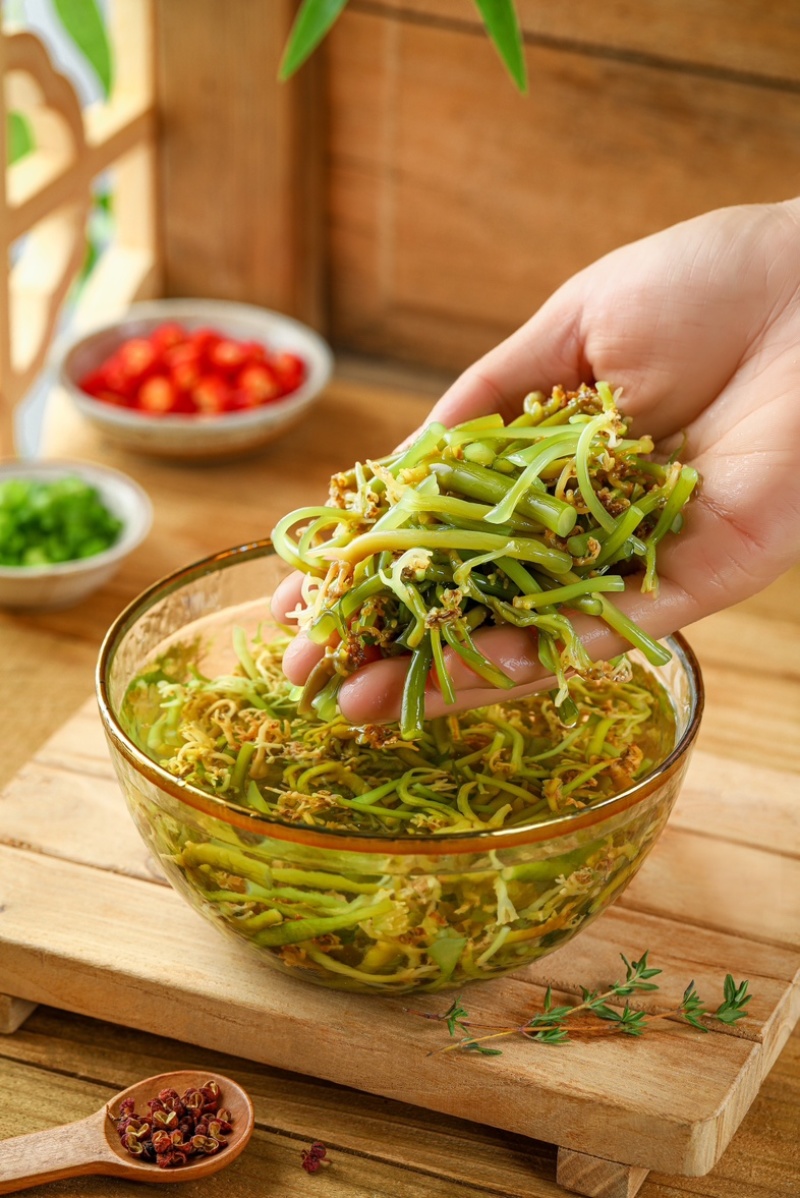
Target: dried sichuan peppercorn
176, 1127
313, 1158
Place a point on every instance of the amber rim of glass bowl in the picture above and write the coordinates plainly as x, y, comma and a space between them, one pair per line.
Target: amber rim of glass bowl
409, 845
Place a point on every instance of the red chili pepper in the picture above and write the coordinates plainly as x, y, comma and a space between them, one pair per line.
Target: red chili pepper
157, 394
210, 394
168, 334
173, 370
227, 355
258, 384
290, 370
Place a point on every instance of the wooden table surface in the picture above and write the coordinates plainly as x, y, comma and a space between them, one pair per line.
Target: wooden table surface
58, 1067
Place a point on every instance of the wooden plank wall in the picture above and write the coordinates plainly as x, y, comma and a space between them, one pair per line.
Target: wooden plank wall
240, 156
403, 197
455, 205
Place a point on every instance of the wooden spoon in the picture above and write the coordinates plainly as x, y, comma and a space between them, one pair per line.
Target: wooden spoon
92, 1145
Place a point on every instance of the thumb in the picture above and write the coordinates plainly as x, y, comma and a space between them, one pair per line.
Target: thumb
544, 352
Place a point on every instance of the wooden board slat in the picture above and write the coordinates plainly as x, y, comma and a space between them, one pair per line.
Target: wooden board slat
582, 1174
271, 1154
755, 805
760, 1162
81, 910
13, 1013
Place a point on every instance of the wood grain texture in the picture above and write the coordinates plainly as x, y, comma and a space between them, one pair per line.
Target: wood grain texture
239, 158
379, 1145
687, 1100
456, 206
751, 38
596, 1178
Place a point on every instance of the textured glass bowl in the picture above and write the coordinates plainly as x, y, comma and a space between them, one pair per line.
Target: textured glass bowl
355, 911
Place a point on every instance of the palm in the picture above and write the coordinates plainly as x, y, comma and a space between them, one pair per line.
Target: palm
699, 325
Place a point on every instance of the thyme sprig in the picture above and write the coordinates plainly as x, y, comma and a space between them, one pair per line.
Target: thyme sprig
594, 1015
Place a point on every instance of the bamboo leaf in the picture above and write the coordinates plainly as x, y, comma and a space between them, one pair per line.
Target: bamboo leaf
311, 24
84, 23
500, 19
20, 137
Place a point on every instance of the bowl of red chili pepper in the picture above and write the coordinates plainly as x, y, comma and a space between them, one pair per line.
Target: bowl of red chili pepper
195, 379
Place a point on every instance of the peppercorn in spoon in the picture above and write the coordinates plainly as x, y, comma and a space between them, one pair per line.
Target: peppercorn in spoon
194, 1123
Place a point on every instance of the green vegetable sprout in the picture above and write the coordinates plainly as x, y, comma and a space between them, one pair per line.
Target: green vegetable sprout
483, 523
42, 523
595, 1015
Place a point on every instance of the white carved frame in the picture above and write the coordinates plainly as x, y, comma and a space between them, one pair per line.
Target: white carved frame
47, 196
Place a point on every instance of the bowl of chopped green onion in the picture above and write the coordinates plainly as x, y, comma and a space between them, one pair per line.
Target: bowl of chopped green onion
365, 858
65, 527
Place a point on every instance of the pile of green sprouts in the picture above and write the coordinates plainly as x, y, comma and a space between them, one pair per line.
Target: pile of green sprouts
486, 522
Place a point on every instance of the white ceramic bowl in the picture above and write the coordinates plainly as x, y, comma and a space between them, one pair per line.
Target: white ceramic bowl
63, 584
197, 436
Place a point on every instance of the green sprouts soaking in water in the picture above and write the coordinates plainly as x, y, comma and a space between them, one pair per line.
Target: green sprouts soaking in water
483, 522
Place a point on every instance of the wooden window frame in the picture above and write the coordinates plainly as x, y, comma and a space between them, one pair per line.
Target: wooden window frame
47, 198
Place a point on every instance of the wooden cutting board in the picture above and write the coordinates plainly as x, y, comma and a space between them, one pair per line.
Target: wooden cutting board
87, 925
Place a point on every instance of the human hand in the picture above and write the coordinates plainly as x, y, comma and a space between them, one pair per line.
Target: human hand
699, 325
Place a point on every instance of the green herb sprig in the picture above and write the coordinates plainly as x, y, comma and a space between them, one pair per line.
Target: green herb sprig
316, 17
558, 1024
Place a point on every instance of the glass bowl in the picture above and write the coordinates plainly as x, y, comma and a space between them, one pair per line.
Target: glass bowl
357, 911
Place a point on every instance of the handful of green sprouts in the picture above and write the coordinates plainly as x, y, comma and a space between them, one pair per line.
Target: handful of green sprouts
484, 523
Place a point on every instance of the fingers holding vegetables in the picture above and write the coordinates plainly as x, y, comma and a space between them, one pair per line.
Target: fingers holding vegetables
374, 693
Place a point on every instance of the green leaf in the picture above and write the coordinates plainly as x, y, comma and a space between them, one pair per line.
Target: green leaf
604, 1012
552, 1015
557, 1035
84, 23
500, 19
20, 137
311, 24
454, 1015
473, 1045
